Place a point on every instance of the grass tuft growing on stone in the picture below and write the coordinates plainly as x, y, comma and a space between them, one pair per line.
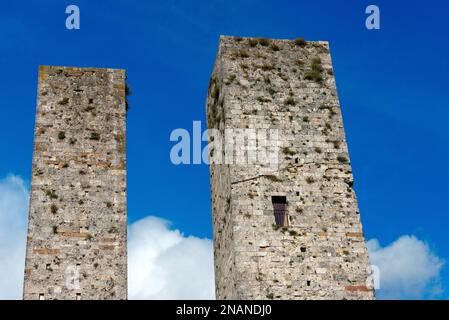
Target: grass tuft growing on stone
310, 180
315, 71
243, 54
290, 101
264, 42
215, 93
54, 208
128, 90
252, 42
275, 47
313, 75
51, 194
230, 79
342, 159
262, 99
271, 91
288, 151
267, 67
64, 101
300, 42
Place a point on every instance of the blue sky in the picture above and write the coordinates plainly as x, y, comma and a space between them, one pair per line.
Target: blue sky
392, 85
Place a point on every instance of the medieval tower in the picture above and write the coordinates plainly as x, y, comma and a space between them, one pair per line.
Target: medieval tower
76, 246
290, 230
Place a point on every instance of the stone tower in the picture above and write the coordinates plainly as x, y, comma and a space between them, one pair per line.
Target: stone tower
290, 229
76, 246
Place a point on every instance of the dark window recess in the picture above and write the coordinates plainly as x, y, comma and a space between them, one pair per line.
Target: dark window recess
47, 266
297, 193
78, 296
308, 283
296, 160
303, 249
41, 296
280, 210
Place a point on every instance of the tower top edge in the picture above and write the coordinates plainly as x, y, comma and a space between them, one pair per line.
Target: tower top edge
227, 38
43, 68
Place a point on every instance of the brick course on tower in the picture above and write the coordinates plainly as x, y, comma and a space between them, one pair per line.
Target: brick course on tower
320, 252
76, 245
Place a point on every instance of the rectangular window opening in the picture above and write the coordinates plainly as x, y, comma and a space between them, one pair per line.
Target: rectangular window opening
41, 296
308, 283
280, 210
78, 296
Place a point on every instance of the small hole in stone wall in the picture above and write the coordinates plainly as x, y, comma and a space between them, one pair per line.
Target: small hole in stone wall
296, 160
47, 266
297, 193
41, 296
78, 296
303, 249
308, 283
91, 101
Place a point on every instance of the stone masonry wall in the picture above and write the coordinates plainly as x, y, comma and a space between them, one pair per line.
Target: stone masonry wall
76, 246
289, 86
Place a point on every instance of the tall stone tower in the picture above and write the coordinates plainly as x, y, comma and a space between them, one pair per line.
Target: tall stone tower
288, 230
76, 247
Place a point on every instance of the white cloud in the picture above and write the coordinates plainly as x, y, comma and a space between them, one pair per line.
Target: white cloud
164, 264
13, 224
408, 269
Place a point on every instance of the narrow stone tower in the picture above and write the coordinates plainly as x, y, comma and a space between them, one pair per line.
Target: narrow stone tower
76, 246
288, 229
